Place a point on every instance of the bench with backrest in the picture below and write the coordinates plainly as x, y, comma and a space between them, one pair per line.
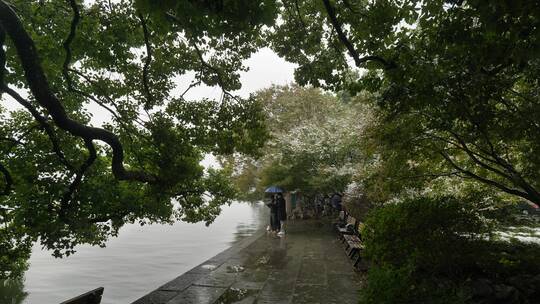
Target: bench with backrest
354, 245
349, 234
350, 227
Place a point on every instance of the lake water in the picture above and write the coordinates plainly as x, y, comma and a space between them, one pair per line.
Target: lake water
140, 259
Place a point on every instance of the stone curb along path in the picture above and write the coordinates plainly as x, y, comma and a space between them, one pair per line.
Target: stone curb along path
308, 265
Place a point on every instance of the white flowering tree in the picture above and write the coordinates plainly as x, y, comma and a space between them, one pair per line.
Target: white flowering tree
314, 145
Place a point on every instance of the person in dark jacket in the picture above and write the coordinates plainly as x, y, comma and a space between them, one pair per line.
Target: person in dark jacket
274, 219
335, 200
281, 213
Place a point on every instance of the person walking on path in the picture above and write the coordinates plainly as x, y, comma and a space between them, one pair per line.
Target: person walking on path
274, 219
281, 213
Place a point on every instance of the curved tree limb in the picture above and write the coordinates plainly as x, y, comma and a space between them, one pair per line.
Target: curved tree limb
358, 61
42, 122
488, 181
511, 176
39, 87
514, 176
35, 113
68, 195
472, 155
69, 40
117, 115
147, 61
67, 61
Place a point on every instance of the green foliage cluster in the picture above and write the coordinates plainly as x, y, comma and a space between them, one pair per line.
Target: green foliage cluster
12, 291
429, 250
430, 233
214, 18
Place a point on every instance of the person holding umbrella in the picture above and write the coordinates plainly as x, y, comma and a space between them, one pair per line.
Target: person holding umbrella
274, 219
281, 213
273, 205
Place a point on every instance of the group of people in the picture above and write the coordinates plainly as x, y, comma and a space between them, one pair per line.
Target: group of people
278, 214
278, 211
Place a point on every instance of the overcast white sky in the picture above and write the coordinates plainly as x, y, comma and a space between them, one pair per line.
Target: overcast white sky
265, 69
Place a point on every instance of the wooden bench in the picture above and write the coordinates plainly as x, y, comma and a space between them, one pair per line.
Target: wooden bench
352, 240
351, 221
91, 297
353, 247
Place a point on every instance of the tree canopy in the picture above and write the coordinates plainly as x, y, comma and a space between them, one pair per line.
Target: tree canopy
456, 78
454, 85
66, 182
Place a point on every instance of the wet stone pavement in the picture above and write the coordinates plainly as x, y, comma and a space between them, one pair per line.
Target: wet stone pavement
308, 265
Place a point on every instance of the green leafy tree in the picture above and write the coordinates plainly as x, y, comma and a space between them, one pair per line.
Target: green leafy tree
66, 182
460, 77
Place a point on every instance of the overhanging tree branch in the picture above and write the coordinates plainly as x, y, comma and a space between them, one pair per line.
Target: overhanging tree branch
147, 61
358, 61
463, 146
220, 81
511, 177
67, 61
485, 180
116, 114
68, 195
69, 40
42, 122
35, 113
39, 87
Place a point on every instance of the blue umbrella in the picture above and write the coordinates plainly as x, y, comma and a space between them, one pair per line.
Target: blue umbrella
273, 189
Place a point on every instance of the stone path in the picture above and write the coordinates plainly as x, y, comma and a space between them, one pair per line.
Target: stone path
308, 265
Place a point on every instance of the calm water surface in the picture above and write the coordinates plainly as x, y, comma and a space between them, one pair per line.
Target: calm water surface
140, 259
